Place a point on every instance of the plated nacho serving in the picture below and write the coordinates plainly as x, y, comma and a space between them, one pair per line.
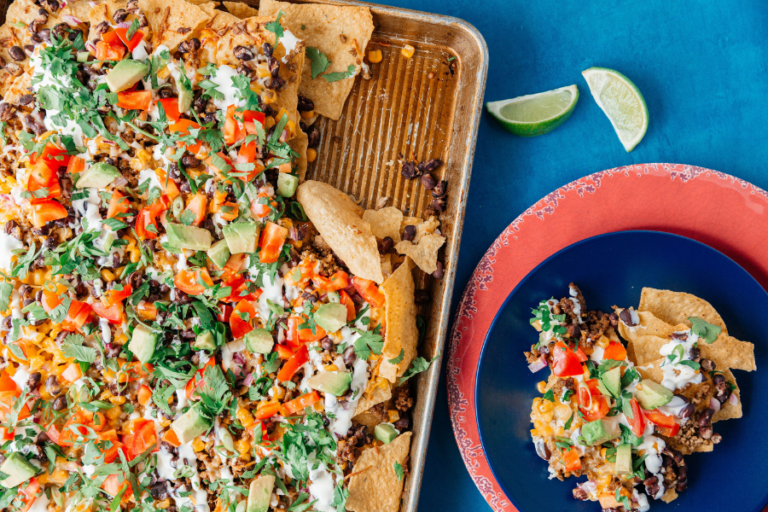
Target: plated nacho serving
188, 324
632, 392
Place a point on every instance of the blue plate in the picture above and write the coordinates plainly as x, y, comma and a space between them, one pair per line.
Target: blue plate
612, 269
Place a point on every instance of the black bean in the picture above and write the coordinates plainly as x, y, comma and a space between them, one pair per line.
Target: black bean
45, 34
52, 385
135, 280
191, 45
34, 380
579, 493
651, 486
429, 165
187, 334
243, 53
275, 83
682, 478
440, 189
274, 67
408, 170
159, 490
428, 182
404, 422
386, 245
60, 403
438, 204
409, 233
185, 187
305, 104
626, 317
166, 92
50, 243
267, 48
349, 356
189, 161
707, 365
7, 111
52, 5
313, 136
687, 411
182, 297
326, 343
120, 15
440, 272
422, 297
695, 354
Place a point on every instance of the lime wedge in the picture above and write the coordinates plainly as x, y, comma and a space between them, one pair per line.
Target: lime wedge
535, 114
621, 101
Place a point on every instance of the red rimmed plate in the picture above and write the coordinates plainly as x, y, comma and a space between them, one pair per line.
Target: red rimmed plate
717, 209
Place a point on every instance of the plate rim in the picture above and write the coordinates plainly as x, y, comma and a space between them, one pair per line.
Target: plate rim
529, 275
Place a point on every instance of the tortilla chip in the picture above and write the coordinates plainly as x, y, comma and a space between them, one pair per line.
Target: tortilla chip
649, 325
19, 87
728, 410
376, 396
670, 495
219, 19
675, 307
103, 12
368, 419
339, 221
385, 222
173, 21
200, 2
401, 335
299, 144
339, 32
424, 253
241, 10
374, 485
725, 351
386, 265
80, 9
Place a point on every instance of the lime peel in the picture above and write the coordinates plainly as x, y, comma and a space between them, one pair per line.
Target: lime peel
535, 114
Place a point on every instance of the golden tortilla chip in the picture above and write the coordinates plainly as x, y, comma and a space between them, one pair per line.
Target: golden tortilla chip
728, 410
401, 335
299, 144
373, 397
368, 419
80, 9
340, 223
201, 2
670, 495
103, 12
173, 21
339, 32
19, 87
385, 222
424, 253
241, 10
725, 351
648, 325
675, 307
374, 485
219, 19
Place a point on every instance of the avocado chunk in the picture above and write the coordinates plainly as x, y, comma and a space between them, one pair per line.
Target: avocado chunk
600, 431
190, 425
331, 316
219, 253
125, 74
652, 395
18, 469
260, 494
143, 343
185, 96
385, 433
259, 341
624, 459
241, 237
205, 341
98, 175
188, 237
332, 383
610, 383
286, 184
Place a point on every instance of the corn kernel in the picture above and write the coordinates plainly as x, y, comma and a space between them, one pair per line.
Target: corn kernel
603, 342
393, 415
374, 56
262, 71
164, 504
243, 447
117, 400
562, 412
269, 122
107, 275
198, 445
245, 417
541, 387
408, 51
268, 97
307, 114
113, 413
311, 155
164, 73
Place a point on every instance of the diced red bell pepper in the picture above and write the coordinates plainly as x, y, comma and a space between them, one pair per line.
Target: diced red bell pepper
171, 438
134, 100
105, 51
248, 154
144, 395
76, 165
76, 316
261, 210
283, 352
115, 296
571, 459
189, 281
637, 422
239, 326
616, 351
665, 425
301, 403
111, 38
233, 132
182, 126
52, 155
565, 362
196, 382
43, 177
219, 172
131, 43
592, 403
6, 382
118, 204
198, 206
293, 364
292, 332
338, 281
225, 313
271, 243
144, 438
306, 335
46, 211
28, 493
171, 108
266, 410
146, 220
7, 401
114, 484
114, 313
250, 118
349, 303
369, 291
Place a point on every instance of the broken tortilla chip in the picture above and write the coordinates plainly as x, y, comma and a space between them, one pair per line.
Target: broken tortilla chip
385, 222
424, 253
241, 10
373, 397
729, 410
340, 223
173, 21
19, 87
648, 325
341, 33
402, 334
725, 351
676, 307
375, 486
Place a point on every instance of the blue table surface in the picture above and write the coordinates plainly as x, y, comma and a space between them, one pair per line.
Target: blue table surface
701, 66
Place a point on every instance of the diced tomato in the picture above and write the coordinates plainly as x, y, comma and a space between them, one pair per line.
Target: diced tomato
183, 126
266, 410
43, 177
581, 355
233, 132
592, 403
248, 154
46, 211
115, 296
96, 420
114, 484
271, 243
53, 433
134, 100
6, 382
565, 362
113, 313
76, 316
225, 313
239, 326
250, 118
189, 281
146, 310
293, 364
197, 205
169, 186
7, 401
283, 352
28, 493
111, 38
637, 422
301, 403
349, 303
135, 370
72, 373
616, 351
259, 208
171, 438
338, 281
239, 286
146, 220
106, 51
171, 108
235, 263
369, 291
306, 335
144, 395
144, 437
52, 155
292, 331
118, 204
76, 165
70, 432
132, 43
229, 211
665, 425
196, 382
669, 431
571, 459
220, 172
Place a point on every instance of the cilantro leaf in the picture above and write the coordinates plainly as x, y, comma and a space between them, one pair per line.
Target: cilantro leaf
319, 60
398, 471
704, 329
399, 358
276, 28
335, 77
418, 365
368, 342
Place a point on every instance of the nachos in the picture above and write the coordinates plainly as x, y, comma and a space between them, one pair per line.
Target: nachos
185, 323
624, 412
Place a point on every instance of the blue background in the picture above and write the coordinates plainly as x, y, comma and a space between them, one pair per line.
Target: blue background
701, 66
